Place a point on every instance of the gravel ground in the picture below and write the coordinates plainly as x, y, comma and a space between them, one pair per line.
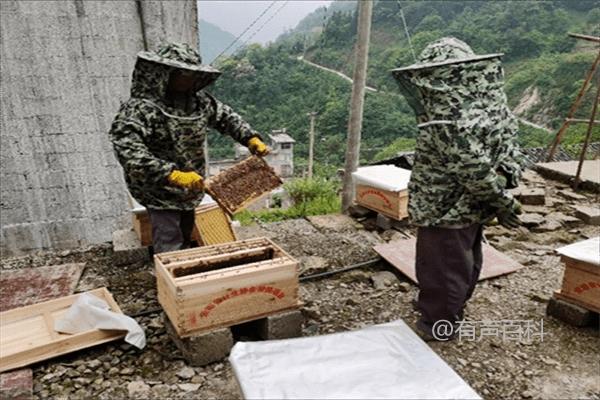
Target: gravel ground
564, 365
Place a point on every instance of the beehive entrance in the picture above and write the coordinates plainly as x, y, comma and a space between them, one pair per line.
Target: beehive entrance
225, 261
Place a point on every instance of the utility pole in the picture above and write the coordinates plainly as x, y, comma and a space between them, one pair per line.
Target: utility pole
311, 143
365, 8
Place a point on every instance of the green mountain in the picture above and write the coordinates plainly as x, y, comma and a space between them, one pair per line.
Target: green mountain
274, 86
213, 40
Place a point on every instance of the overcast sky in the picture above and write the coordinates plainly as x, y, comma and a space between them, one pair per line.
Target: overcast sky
235, 15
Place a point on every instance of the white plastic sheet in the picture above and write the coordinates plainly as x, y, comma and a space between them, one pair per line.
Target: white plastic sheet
587, 251
90, 312
386, 361
386, 177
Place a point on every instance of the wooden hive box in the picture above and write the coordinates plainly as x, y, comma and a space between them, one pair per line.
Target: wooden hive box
222, 285
581, 284
212, 226
237, 187
388, 203
383, 188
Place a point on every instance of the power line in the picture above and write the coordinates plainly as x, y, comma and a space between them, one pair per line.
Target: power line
406, 31
245, 30
265, 23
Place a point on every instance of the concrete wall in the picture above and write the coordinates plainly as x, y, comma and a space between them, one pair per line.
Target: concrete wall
65, 67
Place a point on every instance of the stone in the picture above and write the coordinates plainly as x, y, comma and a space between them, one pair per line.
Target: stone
536, 209
589, 215
383, 279
570, 313
404, 287
161, 391
531, 220
138, 390
548, 226
540, 297
310, 265
185, 373
571, 195
564, 219
17, 384
201, 348
189, 387
126, 371
127, 248
334, 222
285, 325
535, 196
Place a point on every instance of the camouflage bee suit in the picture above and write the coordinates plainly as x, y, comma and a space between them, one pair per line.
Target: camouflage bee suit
152, 139
466, 154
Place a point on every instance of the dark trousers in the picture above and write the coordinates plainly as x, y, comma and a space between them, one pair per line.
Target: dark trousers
448, 264
171, 230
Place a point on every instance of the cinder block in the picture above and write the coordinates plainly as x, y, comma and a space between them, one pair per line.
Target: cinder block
127, 248
589, 215
203, 348
285, 325
570, 313
534, 197
384, 222
357, 211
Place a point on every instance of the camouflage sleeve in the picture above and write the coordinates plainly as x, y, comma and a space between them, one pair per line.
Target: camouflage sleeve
139, 164
511, 159
228, 122
475, 171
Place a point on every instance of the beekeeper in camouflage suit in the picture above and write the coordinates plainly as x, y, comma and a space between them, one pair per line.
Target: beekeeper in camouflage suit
159, 135
466, 158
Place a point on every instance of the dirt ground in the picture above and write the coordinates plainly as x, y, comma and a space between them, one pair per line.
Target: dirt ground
564, 365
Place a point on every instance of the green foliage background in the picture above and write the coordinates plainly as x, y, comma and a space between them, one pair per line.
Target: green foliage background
272, 88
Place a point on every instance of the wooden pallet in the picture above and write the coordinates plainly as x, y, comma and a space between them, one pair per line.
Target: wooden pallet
27, 334
244, 183
222, 285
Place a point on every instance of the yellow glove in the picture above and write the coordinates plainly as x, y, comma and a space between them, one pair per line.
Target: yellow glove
186, 180
257, 147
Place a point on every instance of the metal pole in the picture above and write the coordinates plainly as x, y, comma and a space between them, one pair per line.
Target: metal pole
311, 143
359, 78
588, 136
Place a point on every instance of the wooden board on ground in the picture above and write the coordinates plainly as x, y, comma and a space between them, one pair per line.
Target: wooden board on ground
26, 286
402, 253
247, 181
222, 285
27, 334
581, 284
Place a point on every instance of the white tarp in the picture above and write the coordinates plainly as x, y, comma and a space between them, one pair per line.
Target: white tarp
91, 312
385, 177
587, 251
387, 361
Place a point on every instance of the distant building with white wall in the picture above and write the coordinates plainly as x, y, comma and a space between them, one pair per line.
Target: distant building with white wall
281, 157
